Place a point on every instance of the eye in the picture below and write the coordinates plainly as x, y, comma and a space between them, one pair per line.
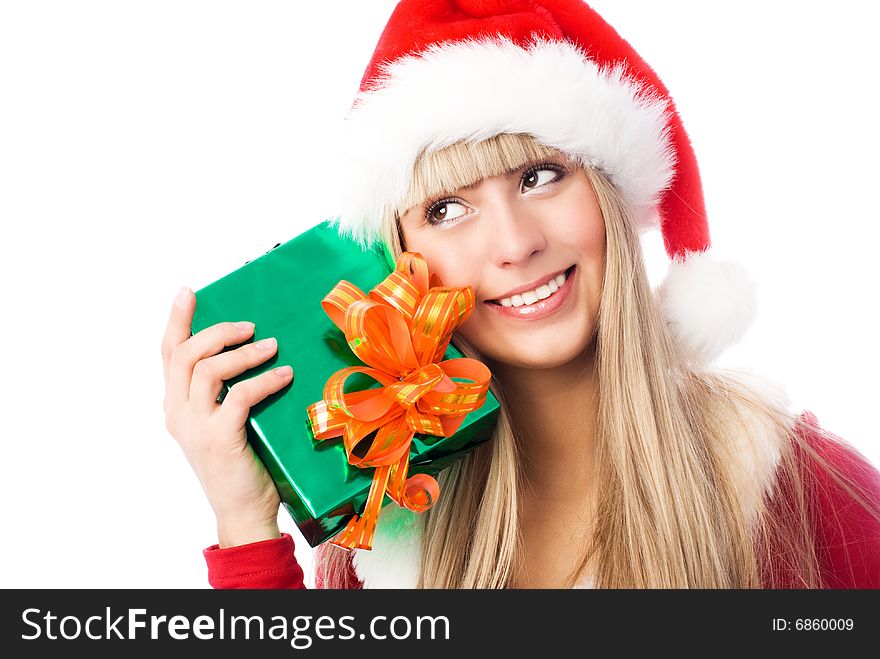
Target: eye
541, 175
445, 211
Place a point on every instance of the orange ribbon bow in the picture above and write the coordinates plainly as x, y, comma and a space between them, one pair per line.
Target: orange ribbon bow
401, 330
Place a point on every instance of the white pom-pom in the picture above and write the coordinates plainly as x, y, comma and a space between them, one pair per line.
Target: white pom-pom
708, 304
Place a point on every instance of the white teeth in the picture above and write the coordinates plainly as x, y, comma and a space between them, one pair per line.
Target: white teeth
530, 297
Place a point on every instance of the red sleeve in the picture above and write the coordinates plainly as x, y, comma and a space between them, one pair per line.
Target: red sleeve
264, 564
848, 536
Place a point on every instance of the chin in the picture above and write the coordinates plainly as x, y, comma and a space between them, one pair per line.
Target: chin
536, 354
542, 344
543, 359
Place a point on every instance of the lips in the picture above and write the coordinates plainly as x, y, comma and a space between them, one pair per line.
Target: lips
531, 286
553, 306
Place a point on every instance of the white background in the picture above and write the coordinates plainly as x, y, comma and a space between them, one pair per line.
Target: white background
146, 145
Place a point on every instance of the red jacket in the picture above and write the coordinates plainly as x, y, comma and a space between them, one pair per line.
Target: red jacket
847, 536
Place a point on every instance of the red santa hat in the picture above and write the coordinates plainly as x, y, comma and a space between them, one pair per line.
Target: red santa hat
446, 71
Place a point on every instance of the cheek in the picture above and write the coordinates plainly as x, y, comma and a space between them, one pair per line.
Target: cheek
587, 226
450, 263
593, 248
592, 243
586, 232
450, 268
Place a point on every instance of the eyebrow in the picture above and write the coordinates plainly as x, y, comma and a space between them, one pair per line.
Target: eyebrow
515, 170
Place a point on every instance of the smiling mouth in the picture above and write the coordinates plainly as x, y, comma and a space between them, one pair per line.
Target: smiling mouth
534, 295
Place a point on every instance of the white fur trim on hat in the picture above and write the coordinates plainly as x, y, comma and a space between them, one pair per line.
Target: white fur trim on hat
708, 304
475, 89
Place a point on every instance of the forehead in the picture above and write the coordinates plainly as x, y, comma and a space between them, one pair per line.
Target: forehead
464, 164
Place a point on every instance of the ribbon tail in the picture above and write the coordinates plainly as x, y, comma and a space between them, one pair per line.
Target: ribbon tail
358, 533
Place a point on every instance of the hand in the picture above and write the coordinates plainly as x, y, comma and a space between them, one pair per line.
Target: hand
212, 435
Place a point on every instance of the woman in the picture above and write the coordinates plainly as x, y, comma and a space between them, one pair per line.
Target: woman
521, 147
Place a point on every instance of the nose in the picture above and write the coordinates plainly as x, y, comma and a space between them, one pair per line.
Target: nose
516, 233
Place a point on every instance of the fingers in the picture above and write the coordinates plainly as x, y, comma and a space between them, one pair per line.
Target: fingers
209, 374
247, 393
178, 328
206, 343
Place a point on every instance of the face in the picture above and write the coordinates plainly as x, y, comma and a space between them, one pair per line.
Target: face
514, 238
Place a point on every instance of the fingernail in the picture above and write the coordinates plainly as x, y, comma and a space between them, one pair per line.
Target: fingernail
244, 325
284, 371
265, 344
182, 296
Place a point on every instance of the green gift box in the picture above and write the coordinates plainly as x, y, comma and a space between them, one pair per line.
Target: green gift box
281, 292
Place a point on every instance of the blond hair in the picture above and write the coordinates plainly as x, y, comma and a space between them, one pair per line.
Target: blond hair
679, 503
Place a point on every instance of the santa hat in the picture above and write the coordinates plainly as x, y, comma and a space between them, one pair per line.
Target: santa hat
446, 71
